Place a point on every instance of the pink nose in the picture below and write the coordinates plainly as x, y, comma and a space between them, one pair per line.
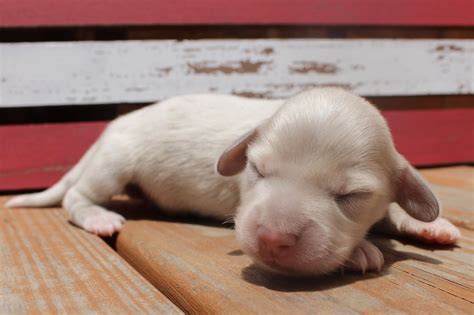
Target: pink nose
274, 244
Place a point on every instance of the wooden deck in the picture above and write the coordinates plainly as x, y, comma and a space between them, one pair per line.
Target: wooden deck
53, 266
49, 266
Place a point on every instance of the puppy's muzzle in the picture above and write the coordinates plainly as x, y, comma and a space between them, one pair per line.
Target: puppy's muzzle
273, 245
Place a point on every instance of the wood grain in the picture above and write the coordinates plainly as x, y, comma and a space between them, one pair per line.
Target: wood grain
455, 187
202, 270
147, 71
122, 12
460, 177
49, 266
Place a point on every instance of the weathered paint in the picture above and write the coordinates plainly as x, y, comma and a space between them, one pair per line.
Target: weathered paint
36, 74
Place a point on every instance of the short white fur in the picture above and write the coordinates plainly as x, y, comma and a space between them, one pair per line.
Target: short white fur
328, 160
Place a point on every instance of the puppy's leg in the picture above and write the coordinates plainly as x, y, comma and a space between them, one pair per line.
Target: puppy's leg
93, 218
104, 176
398, 222
365, 257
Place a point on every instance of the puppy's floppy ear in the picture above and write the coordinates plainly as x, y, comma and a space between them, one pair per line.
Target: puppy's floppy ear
413, 194
232, 161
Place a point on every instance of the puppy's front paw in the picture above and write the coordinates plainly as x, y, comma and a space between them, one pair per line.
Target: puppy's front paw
440, 231
365, 257
103, 224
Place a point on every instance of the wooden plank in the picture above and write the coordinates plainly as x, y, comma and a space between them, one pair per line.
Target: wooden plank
459, 207
146, 71
52, 267
36, 156
455, 187
194, 265
202, 270
459, 177
122, 12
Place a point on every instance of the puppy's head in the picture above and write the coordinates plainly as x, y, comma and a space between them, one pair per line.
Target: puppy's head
315, 177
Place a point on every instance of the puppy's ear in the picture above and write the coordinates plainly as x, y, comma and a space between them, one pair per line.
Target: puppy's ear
232, 161
413, 194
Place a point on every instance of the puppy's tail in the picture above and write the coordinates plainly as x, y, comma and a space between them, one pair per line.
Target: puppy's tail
55, 194
50, 197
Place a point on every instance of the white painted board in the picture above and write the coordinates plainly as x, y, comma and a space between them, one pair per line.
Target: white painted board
62, 73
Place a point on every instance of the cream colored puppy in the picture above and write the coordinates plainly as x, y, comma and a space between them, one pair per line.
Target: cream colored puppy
306, 179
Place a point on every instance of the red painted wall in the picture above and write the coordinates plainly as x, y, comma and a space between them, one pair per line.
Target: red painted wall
327, 12
36, 156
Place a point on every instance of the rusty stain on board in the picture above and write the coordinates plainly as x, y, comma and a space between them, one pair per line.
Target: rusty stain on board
267, 51
281, 86
448, 48
245, 66
303, 67
306, 86
252, 94
290, 87
163, 71
344, 86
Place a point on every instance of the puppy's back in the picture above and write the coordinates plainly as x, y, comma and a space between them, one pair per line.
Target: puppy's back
176, 143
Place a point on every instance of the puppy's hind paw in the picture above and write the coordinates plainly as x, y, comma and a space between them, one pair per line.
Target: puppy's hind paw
365, 257
104, 223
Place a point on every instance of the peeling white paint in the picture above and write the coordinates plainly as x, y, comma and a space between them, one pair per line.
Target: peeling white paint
37, 74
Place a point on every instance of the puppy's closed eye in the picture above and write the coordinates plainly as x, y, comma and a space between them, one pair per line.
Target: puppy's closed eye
351, 198
255, 169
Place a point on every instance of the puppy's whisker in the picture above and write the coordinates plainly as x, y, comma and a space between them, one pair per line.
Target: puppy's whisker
229, 221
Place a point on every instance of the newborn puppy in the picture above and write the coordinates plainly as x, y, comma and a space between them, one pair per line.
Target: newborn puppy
306, 178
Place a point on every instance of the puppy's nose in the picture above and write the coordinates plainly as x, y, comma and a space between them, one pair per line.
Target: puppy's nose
274, 244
